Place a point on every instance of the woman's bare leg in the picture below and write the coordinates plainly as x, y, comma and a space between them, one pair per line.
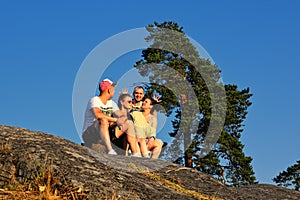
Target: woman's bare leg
155, 147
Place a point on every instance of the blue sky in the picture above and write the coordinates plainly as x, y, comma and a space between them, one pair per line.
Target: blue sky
254, 43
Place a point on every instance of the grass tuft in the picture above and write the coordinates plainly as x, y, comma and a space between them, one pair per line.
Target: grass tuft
177, 187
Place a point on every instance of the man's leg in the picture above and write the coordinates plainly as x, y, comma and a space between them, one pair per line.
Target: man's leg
104, 134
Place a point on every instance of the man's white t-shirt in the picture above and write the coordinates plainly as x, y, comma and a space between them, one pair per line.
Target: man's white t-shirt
89, 118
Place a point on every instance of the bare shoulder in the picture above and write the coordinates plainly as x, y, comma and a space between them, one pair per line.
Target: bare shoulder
118, 113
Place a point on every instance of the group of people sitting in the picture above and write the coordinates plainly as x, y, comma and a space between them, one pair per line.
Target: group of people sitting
130, 124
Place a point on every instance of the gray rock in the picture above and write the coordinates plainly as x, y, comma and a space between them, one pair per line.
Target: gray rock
26, 154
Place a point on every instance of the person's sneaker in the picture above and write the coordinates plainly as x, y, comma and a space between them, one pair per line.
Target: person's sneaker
112, 152
136, 155
146, 155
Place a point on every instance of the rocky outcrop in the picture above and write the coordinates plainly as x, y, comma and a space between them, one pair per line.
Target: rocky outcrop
34, 159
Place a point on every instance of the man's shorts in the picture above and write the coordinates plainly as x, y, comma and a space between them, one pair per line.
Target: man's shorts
92, 135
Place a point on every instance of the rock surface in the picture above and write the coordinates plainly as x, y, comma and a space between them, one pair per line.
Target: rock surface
27, 157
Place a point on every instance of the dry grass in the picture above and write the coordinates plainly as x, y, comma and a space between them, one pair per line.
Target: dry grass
175, 185
51, 185
46, 183
6, 147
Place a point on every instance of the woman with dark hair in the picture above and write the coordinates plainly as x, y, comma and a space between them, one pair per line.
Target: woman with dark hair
145, 125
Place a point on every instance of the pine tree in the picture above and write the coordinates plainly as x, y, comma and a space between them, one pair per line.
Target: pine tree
190, 87
289, 177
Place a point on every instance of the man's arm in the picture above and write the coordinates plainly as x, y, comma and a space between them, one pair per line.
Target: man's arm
99, 115
118, 119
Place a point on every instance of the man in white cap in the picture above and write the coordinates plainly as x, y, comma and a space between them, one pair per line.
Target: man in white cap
98, 117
